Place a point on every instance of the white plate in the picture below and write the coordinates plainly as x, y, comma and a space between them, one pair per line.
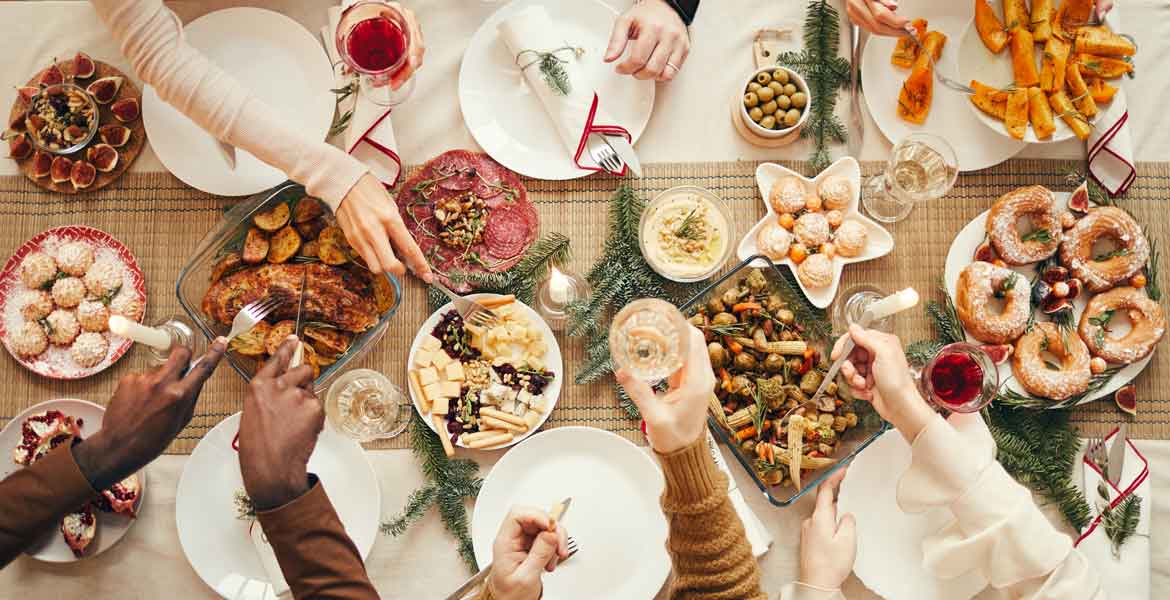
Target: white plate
615, 516
51, 547
274, 58
889, 541
878, 243
552, 361
961, 254
507, 119
950, 117
217, 544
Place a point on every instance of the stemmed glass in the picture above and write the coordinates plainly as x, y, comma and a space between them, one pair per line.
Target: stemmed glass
649, 338
365, 405
922, 166
960, 378
373, 38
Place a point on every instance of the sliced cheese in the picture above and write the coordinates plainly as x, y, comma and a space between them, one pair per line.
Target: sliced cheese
440, 359
423, 358
428, 376
455, 371
441, 406
449, 389
434, 393
431, 343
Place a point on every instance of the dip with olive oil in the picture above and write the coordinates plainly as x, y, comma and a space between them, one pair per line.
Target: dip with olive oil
684, 235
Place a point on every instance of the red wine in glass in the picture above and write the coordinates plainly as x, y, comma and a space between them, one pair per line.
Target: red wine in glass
961, 378
373, 39
376, 44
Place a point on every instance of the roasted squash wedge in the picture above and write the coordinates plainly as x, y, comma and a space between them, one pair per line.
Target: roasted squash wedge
1101, 91
1106, 67
1042, 20
990, 100
1015, 14
1079, 91
1016, 116
918, 90
1040, 114
1102, 41
1023, 59
1053, 63
1063, 107
1071, 15
990, 28
905, 50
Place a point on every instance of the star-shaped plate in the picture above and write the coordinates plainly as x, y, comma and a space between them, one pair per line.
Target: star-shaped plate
878, 243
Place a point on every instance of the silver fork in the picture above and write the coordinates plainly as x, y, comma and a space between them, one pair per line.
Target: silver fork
472, 312
943, 79
483, 573
606, 157
251, 314
1097, 453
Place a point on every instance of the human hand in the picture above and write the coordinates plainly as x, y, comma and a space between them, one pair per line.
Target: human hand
877, 16
145, 414
877, 371
369, 217
278, 430
524, 549
660, 41
417, 47
827, 546
679, 417
1103, 7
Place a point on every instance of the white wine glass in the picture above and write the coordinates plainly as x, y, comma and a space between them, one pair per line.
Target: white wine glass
648, 338
922, 167
365, 405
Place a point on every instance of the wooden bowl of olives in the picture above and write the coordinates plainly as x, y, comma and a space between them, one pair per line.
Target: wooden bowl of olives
775, 102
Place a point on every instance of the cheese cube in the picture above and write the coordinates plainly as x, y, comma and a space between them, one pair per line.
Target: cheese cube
440, 359
423, 358
428, 376
454, 371
449, 389
417, 391
532, 418
442, 405
431, 343
434, 394
538, 403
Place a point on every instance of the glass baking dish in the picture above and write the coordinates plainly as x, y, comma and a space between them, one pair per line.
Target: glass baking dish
852, 441
195, 278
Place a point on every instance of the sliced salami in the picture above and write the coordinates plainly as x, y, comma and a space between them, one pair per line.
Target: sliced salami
510, 231
457, 169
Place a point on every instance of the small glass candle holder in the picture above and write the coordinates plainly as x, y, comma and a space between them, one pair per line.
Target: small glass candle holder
181, 333
554, 297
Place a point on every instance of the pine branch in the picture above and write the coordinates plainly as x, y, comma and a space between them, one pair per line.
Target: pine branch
945, 318
417, 505
1011, 397
1151, 271
1121, 521
919, 353
627, 404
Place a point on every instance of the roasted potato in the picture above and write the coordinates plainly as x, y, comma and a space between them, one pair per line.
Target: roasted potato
283, 245
309, 230
917, 92
251, 343
309, 357
326, 361
273, 218
1016, 116
1053, 62
1023, 59
308, 208
1040, 113
255, 247
383, 293
328, 341
990, 28
1063, 107
226, 265
277, 334
310, 249
1042, 20
333, 249
1080, 90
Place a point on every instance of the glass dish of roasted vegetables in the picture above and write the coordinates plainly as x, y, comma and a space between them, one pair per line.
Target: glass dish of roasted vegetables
768, 350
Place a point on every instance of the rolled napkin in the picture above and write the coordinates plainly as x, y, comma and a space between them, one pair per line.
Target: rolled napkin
552, 66
1127, 575
267, 556
1110, 145
237, 587
370, 134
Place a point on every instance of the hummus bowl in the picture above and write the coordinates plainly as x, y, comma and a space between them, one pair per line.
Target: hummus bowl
686, 233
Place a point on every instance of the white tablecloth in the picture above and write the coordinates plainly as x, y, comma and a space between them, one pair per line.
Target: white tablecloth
690, 123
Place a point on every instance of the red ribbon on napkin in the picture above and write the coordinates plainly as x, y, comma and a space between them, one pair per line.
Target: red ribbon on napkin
590, 127
1121, 494
1109, 162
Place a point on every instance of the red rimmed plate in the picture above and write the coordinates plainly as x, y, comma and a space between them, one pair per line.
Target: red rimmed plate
55, 363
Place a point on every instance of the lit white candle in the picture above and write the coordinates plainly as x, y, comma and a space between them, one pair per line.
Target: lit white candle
559, 287
140, 333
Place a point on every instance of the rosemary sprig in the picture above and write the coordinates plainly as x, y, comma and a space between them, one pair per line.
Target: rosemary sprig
687, 229
1151, 271
1037, 235
1104, 256
1101, 321
341, 119
552, 66
732, 329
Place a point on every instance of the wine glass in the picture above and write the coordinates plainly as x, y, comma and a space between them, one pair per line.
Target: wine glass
922, 166
857, 299
960, 378
649, 338
366, 406
373, 39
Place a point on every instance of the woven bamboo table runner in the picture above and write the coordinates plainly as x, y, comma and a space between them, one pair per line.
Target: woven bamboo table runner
161, 221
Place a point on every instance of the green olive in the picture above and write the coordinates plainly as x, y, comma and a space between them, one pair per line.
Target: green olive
789, 89
784, 101
763, 78
777, 87
768, 122
765, 94
756, 114
780, 75
769, 108
753, 87
750, 99
799, 99
792, 117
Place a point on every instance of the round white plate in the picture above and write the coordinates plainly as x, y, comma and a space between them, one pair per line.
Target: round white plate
217, 544
274, 58
51, 547
878, 243
961, 254
552, 361
950, 116
615, 516
889, 541
508, 120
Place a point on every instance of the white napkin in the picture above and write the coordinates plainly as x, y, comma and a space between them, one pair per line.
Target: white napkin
1129, 576
268, 559
757, 533
1110, 145
370, 134
238, 587
576, 114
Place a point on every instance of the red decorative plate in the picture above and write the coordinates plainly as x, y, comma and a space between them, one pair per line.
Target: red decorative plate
55, 362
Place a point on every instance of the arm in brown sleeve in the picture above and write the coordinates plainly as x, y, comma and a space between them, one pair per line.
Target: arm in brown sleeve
315, 554
708, 547
33, 499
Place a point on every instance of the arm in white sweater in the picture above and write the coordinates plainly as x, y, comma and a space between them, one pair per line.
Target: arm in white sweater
998, 528
151, 37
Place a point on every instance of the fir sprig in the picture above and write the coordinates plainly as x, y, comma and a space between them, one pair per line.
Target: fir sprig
523, 279
1122, 520
1151, 271
1097, 194
826, 73
551, 66
1010, 397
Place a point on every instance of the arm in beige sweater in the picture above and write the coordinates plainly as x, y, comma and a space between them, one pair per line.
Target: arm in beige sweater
151, 37
998, 528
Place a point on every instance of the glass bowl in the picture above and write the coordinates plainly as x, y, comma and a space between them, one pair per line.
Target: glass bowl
195, 278
93, 125
658, 203
855, 439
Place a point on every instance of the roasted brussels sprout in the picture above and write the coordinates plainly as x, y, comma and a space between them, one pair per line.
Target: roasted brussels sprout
697, 320
748, 447
774, 303
774, 363
742, 386
745, 361
731, 296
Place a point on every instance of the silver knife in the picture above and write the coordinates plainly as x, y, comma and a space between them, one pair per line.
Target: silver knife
228, 152
624, 151
299, 354
856, 133
1116, 466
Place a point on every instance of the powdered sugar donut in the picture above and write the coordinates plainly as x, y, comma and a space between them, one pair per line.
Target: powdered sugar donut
1110, 222
37, 269
35, 304
89, 349
68, 292
812, 229
850, 238
1148, 325
63, 327
103, 278
978, 284
128, 305
74, 258
28, 341
93, 316
1035, 202
773, 240
1033, 371
816, 271
787, 195
836, 191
